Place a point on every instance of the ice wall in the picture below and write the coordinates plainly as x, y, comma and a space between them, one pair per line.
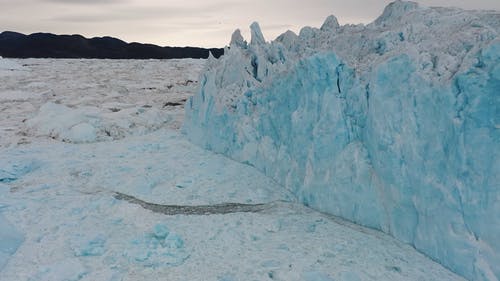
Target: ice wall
394, 125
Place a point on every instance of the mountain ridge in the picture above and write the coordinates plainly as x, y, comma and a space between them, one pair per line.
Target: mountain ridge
49, 45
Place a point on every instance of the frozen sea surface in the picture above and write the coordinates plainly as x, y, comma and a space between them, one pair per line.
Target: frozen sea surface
61, 216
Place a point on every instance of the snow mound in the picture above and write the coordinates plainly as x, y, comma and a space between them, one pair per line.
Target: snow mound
393, 125
88, 124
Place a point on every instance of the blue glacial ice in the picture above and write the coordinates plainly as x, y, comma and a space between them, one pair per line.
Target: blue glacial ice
10, 240
85, 246
394, 125
158, 248
11, 171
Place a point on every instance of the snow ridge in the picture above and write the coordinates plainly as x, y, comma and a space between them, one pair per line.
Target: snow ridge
393, 125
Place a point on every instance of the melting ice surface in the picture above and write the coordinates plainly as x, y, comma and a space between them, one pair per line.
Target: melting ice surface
394, 125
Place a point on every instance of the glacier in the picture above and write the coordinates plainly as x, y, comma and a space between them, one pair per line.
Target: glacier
394, 125
143, 202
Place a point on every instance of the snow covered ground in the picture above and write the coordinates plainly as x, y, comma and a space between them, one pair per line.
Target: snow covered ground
91, 159
91, 100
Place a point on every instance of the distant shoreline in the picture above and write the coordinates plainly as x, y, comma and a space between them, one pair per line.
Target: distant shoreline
48, 45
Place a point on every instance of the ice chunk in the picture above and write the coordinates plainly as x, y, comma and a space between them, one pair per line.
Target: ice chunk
84, 246
159, 248
257, 36
160, 231
237, 40
173, 241
83, 132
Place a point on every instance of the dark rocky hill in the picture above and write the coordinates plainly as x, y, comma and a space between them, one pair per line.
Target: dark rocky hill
47, 45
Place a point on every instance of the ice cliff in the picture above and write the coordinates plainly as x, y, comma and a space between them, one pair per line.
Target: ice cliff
394, 125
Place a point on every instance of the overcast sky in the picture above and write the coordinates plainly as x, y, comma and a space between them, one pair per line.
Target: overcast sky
191, 22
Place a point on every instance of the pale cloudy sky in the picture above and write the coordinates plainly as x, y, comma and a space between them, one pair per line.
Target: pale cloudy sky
191, 22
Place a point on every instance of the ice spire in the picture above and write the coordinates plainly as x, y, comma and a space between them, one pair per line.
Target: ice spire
396, 10
211, 59
331, 23
237, 39
257, 36
288, 39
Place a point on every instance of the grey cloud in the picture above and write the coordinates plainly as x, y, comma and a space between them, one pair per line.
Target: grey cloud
140, 13
195, 22
276, 26
115, 15
87, 2
271, 31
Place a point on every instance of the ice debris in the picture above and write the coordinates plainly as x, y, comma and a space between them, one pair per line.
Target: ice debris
158, 248
94, 246
257, 36
237, 40
90, 124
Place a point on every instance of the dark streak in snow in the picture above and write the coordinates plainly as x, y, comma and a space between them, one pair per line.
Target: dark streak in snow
220, 209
